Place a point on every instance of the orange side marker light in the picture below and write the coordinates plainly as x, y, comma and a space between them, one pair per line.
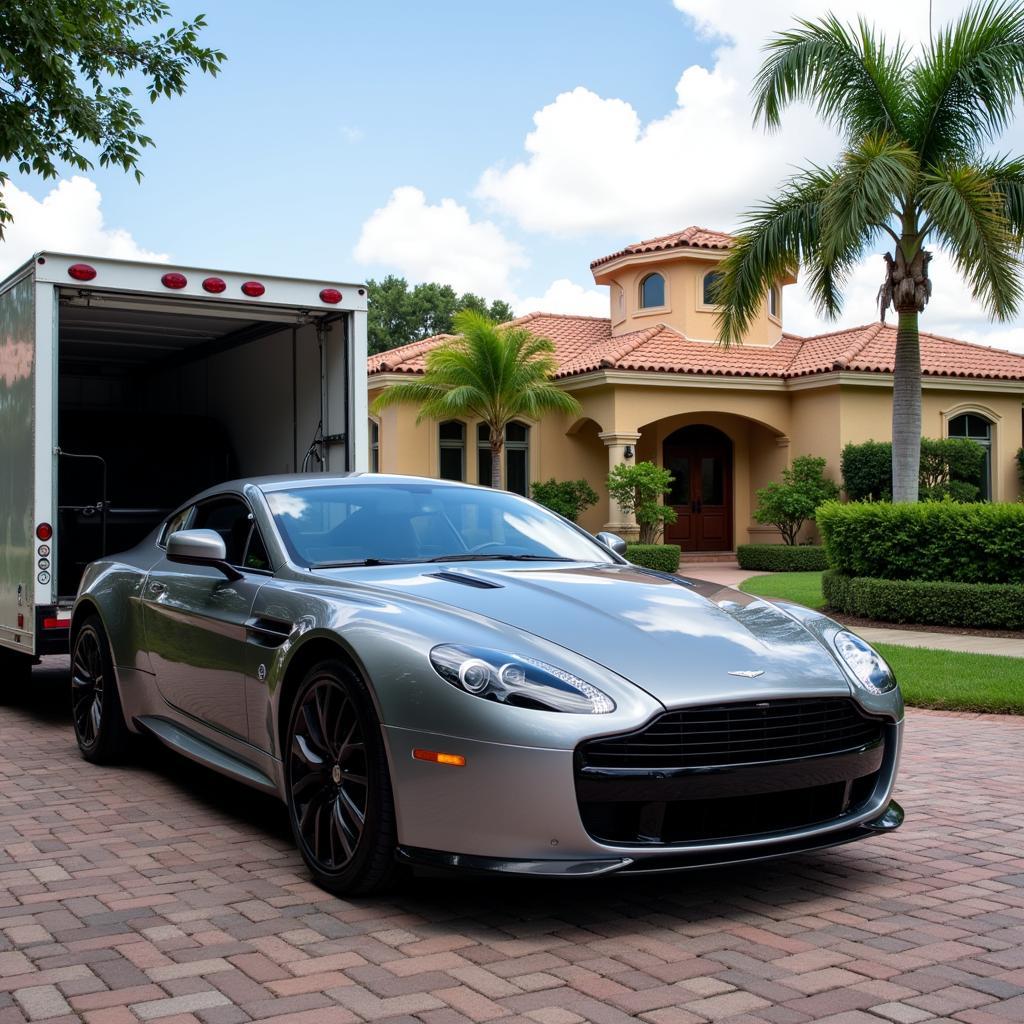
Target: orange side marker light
438, 758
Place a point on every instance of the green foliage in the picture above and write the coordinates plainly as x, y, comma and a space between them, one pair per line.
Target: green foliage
487, 372
566, 497
928, 602
397, 314
62, 67
915, 125
663, 557
781, 557
789, 504
939, 540
638, 488
1020, 464
951, 466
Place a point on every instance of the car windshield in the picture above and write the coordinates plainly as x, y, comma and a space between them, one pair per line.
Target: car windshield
377, 523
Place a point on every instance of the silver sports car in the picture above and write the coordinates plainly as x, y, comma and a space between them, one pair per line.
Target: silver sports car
436, 674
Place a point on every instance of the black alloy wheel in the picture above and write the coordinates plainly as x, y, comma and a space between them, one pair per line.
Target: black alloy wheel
339, 793
95, 703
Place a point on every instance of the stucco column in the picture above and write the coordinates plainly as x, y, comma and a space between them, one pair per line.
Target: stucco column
619, 521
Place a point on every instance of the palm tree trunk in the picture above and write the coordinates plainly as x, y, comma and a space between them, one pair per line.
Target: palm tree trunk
906, 409
495, 461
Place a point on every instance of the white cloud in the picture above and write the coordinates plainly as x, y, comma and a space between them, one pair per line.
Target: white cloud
69, 219
565, 296
439, 243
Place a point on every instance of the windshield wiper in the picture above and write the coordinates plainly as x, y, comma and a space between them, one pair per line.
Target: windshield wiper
356, 562
470, 557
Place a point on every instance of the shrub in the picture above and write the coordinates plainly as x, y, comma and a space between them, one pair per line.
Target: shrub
928, 602
638, 489
782, 557
950, 466
663, 557
979, 543
789, 504
566, 497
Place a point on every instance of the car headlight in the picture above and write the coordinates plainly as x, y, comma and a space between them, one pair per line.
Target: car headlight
867, 665
522, 682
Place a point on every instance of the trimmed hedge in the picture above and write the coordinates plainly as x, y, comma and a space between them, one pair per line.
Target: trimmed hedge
928, 602
663, 557
782, 557
941, 541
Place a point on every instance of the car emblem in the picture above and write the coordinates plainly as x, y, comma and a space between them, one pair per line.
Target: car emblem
336, 774
748, 673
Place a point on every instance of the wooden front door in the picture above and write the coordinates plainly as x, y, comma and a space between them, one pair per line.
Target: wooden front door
700, 459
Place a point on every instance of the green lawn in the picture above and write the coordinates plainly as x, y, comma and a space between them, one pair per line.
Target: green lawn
928, 678
802, 587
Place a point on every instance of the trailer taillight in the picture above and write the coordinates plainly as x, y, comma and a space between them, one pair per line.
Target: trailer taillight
174, 280
81, 272
253, 289
215, 285
44, 531
330, 295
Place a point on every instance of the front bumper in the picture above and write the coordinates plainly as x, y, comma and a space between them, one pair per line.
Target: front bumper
517, 807
675, 860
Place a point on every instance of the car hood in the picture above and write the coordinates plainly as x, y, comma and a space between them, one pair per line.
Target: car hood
681, 640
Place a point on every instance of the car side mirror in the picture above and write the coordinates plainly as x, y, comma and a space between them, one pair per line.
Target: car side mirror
612, 541
201, 547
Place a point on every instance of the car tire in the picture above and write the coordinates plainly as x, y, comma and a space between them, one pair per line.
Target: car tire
337, 783
100, 729
15, 673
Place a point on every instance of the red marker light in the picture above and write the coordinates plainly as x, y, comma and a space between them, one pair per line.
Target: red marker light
174, 280
215, 285
44, 531
81, 271
330, 295
253, 289
56, 623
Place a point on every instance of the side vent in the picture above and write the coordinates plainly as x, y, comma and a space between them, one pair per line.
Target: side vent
466, 581
268, 632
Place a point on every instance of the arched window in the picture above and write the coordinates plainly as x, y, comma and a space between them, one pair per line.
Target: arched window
710, 283
773, 301
652, 291
978, 429
452, 457
374, 446
517, 458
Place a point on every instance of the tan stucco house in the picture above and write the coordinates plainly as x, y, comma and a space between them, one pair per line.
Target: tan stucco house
655, 384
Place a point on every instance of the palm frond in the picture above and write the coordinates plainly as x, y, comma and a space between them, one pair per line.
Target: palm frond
873, 178
1007, 177
967, 212
850, 76
776, 237
966, 85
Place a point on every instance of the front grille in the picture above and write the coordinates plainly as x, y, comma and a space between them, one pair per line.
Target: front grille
730, 734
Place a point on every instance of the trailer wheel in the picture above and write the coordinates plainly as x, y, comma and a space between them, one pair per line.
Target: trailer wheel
100, 729
15, 672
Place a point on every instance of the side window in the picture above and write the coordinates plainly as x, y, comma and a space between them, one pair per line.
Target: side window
256, 553
231, 518
177, 522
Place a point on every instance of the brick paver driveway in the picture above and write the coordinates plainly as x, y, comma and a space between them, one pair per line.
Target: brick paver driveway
160, 891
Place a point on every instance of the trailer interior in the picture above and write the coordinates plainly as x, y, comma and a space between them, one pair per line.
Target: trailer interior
157, 402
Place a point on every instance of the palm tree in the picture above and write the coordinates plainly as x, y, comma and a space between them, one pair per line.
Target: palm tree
913, 168
495, 374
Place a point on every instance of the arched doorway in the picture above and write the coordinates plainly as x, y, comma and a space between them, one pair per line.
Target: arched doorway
700, 459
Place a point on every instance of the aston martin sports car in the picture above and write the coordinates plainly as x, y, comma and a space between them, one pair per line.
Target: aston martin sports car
434, 674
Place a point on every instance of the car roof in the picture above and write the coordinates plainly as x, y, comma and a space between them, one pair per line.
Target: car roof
287, 481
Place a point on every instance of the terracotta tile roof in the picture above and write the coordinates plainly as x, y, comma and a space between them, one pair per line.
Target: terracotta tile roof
692, 237
583, 344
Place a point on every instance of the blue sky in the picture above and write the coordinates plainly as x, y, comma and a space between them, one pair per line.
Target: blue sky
497, 147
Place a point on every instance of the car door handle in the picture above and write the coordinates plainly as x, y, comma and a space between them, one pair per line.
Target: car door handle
157, 588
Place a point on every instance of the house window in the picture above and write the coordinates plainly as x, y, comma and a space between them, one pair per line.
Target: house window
978, 429
773, 301
374, 446
710, 284
517, 458
452, 460
652, 291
